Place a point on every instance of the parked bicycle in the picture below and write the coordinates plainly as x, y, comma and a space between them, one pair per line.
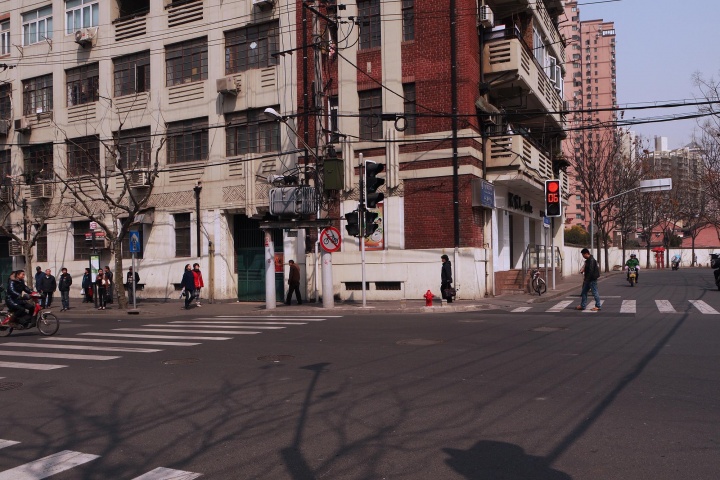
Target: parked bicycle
537, 283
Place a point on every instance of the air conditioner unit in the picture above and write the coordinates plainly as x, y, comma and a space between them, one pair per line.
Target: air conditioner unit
486, 17
227, 86
85, 36
138, 179
263, 3
6, 194
22, 125
16, 248
41, 191
4, 127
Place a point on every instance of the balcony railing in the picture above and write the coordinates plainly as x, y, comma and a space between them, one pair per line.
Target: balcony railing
517, 152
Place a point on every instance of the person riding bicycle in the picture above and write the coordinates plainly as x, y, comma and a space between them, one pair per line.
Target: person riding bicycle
15, 301
633, 262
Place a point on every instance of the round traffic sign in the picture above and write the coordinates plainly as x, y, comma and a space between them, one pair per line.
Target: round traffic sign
330, 239
93, 225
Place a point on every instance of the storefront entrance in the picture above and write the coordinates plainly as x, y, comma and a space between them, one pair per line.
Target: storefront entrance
250, 260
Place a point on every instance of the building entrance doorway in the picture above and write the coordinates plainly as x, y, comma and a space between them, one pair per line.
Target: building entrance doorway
248, 241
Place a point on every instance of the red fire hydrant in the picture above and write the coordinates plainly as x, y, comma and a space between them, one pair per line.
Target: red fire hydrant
428, 298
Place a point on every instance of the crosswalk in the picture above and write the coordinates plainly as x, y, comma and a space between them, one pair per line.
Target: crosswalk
625, 307
67, 460
148, 338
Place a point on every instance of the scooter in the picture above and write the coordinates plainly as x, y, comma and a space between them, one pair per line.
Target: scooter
675, 265
44, 320
632, 276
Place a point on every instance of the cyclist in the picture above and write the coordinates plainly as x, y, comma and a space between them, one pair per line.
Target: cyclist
633, 262
15, 301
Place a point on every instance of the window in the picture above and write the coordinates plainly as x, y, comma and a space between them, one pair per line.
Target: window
132, 73
134, 148
408, 19
6, 101
82, 247
187, 141
37, 25
186, 62
369, 19
5, 167
251, 132
81, 14
539, 48
334, 105
82, 84
38, 95
182, 234
409, 108
5, 38
38, 163
125, 247
41, 245
83, 156
251, 47
370, 111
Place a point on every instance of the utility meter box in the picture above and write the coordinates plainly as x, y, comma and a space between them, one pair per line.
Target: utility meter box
334, 174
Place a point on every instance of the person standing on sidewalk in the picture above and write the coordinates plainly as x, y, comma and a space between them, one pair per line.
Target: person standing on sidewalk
47, 285
38, 276
130, 279
197, 275
64, 284
188, 285
446, 278
86, 286
591, 273
102, 285
110, 284
293, 283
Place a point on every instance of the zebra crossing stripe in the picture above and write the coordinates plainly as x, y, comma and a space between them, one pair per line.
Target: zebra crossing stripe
130, 342
298, 318
30, 366
66, 356
234, 332
628, 306
258, 327
168, 337
161, 473
83, 347
7, 443
559, 307
664, 306
48, 466
521, 309
704, 307
186, 323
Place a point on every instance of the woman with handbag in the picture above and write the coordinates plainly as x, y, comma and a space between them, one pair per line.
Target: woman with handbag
446, 289
188, 285
102, 285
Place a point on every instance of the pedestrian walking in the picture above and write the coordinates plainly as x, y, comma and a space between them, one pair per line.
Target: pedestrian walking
64, 284
446, 280
188, 285
110, 284
591, 273
38, 276
47, 285
294, 284
130, 280
199, 284
102, 286
86, 286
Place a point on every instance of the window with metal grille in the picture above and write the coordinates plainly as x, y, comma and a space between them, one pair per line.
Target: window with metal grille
356, 285
369, 19
38, 163
5, 38
134, 148
81, 14
37, 25
41, 245
388, 285
409, 108
251, 47
6, 101
83, 156
132, 73
408, 19
187, 141
82, 247
251, 132
186, 62
38, 95
370, 111
5, 167
182, 234
82, 84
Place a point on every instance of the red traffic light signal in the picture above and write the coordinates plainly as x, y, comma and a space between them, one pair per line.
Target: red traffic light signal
553, 203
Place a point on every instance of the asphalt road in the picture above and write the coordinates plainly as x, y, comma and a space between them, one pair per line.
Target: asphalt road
630, 392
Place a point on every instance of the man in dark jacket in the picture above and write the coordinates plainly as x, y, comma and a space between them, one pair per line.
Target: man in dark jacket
131, 279
64, 284
446, 278
111, 283
15, 301
86, 286
38, 275
591, 273
188, 285
47, 285
293, 283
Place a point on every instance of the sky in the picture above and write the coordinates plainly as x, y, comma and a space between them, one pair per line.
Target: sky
660, 44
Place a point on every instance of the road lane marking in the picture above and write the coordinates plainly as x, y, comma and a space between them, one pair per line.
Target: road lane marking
559, 307
166, 326
83, 347
704, 307
521, 309
264, 319
30, 366
7, 443
232, 322
280, 317
628, 306
161, 473
48, 466
129, 342
168, 337
664, 306
234, 332
66, 356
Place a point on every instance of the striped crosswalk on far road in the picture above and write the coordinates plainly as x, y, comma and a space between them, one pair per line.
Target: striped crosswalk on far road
627, 307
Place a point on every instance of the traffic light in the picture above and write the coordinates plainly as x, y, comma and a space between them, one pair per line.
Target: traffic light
370, 225
553, 205
353, 223
372, 183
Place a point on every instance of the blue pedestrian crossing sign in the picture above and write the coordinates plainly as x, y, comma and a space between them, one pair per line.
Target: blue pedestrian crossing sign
135, 245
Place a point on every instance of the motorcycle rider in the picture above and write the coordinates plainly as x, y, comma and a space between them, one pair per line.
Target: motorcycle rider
633, 262
675, 261
15, 301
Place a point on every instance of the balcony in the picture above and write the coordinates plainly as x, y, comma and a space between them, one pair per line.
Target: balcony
517, 162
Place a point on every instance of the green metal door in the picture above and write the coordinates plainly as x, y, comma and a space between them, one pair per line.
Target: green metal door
5, 263
250, 260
